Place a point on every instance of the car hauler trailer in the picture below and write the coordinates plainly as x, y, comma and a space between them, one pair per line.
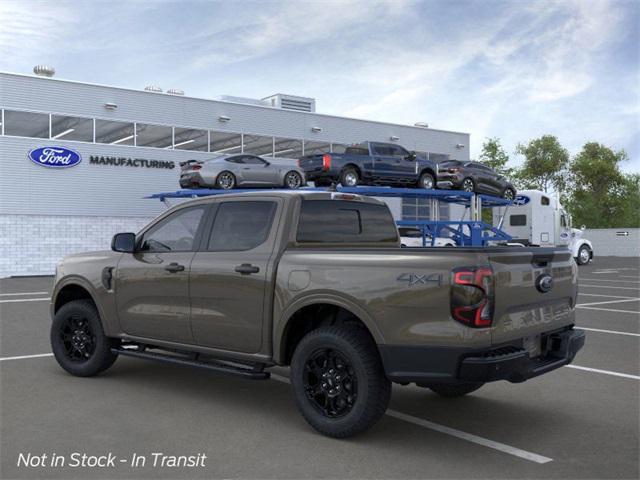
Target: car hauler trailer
538, 219
465, 233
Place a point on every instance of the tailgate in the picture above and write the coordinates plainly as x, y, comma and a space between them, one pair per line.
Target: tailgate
311, 163
527, 303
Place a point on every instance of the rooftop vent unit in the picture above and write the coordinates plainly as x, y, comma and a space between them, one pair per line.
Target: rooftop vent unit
291, 102
175, 91
244, 100
153, 88
421, 124
44, 71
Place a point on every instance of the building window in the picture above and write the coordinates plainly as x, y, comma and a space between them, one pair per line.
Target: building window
26, 124
338, 147
416, 209
157, 136
71, 128
287, 148
191, 139
114, 133
225, 143
258, 145
313, 148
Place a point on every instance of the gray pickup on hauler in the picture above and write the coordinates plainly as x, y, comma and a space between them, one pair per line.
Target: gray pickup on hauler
238, 283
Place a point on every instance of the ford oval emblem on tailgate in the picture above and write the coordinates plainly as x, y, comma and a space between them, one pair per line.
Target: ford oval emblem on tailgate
544, 283
55, 157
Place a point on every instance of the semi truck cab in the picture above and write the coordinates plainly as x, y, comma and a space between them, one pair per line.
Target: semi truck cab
539, 219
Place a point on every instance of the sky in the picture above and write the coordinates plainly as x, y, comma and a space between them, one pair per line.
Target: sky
509, 69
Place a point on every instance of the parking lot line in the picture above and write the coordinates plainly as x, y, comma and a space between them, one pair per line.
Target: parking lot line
517, 452
607, 280
15, 300
606, 372
609, 310
24, 357
22, 293
600, 295
612, 287
632, 299
616, 332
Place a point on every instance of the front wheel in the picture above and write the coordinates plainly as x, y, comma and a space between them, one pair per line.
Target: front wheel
293, 180
509, 194
584, 255
338, 381
78, 341
455, 390
427, 181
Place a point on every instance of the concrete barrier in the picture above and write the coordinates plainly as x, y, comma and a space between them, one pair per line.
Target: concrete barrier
614, 242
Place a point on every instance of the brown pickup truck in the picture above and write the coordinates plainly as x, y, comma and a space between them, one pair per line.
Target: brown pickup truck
317, 281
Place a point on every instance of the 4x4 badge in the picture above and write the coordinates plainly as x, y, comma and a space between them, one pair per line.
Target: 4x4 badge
420, 279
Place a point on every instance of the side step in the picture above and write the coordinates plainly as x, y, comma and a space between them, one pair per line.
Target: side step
256, 373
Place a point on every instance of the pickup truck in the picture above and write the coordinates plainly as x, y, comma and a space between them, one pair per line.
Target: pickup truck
241, 282
371, 163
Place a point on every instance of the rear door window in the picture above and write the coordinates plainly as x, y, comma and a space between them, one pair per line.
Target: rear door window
241, 225
343, 221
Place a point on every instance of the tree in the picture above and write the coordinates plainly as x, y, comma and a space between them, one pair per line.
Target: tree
545, 164
600, 195
495, 157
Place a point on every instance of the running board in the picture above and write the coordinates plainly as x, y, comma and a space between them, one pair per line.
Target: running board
255, 373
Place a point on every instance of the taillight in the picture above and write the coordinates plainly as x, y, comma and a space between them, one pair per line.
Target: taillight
196, 167
472, 296
326, 161
453, 170
299, 162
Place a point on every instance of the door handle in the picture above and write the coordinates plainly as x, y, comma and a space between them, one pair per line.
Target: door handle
247, 269
174, 267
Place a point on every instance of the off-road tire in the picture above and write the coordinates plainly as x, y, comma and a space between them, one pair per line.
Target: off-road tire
373, 389
100, 357
347, 173
455, 390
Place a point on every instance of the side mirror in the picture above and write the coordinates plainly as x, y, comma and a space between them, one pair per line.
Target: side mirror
266, 164
124, 242
411, 156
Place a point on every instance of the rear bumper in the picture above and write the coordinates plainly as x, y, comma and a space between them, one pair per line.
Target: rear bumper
190, 180
428, 365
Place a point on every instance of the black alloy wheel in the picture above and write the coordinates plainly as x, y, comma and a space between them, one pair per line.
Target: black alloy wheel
78, 338
330, 383
226, 180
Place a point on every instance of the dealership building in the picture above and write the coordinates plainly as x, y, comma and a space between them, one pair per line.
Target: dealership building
128, 144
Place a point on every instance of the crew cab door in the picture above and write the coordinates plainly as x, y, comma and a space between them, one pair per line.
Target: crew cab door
229, 275
152, 284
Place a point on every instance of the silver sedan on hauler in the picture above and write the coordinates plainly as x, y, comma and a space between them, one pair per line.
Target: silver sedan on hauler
241, 170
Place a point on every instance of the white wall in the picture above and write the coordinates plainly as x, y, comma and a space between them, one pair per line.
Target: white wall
612, 241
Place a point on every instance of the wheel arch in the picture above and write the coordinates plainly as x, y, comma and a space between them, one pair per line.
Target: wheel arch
307, 314
354, 166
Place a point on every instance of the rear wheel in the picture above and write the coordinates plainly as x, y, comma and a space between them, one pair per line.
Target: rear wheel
468, 185
78, 341
349, 177
293, 180
226, 180
584, 255
338, 381
455, 390
427, 181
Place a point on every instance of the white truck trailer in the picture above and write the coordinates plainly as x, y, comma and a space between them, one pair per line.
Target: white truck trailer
537, 218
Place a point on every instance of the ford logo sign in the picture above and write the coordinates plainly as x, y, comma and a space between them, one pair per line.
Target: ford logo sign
55, 157
544, 283
521, 200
